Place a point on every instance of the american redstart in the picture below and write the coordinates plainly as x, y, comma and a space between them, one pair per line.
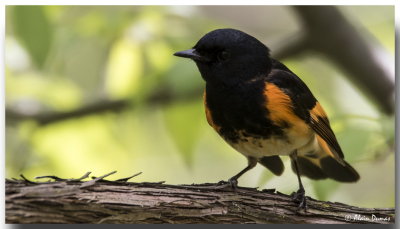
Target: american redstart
264, 110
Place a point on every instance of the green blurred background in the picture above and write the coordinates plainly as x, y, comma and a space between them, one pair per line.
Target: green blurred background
96, 88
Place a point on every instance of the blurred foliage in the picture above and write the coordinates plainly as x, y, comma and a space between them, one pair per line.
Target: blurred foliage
62, 58
33, 29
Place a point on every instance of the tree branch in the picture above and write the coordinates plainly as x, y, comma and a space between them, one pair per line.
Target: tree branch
101, 201
329, 33
44, 118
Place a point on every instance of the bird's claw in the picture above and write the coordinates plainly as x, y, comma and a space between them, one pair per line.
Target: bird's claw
300, 198
232, 183
222, 182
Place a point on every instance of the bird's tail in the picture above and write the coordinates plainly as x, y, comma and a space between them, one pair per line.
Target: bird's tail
322, 164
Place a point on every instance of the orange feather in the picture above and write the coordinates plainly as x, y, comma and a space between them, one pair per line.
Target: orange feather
208, 114
280, 109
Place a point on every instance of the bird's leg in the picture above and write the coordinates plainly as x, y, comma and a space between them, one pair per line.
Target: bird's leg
299, 196
252, 162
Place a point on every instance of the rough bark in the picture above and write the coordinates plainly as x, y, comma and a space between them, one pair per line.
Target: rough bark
101, 201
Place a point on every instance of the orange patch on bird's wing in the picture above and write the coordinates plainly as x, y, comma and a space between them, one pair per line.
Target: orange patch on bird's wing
280, 109
317, 111
208, 114
324, 146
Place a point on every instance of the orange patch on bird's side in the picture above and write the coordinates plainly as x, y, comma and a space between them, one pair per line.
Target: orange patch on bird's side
208, 115
279, 104
280, 109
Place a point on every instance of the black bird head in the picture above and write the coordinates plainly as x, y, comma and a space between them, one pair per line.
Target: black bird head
229, 57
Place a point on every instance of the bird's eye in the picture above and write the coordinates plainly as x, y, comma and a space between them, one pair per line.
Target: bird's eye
224, 55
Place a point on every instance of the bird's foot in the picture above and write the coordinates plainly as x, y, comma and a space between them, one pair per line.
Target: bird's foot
232, 183
300, 198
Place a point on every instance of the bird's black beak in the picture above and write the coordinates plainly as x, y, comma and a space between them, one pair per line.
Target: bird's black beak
192, 54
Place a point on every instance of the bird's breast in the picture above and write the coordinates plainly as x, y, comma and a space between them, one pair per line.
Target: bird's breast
255, 121
242, 108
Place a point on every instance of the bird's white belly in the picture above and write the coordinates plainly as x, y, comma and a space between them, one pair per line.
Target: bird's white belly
261, 147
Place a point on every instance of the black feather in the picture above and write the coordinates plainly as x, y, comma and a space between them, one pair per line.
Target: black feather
335, 170
273, 163
308, 169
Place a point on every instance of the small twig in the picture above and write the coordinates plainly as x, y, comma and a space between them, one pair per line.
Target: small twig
56, 178
95, 179
25, 179
86, 175
128, 178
